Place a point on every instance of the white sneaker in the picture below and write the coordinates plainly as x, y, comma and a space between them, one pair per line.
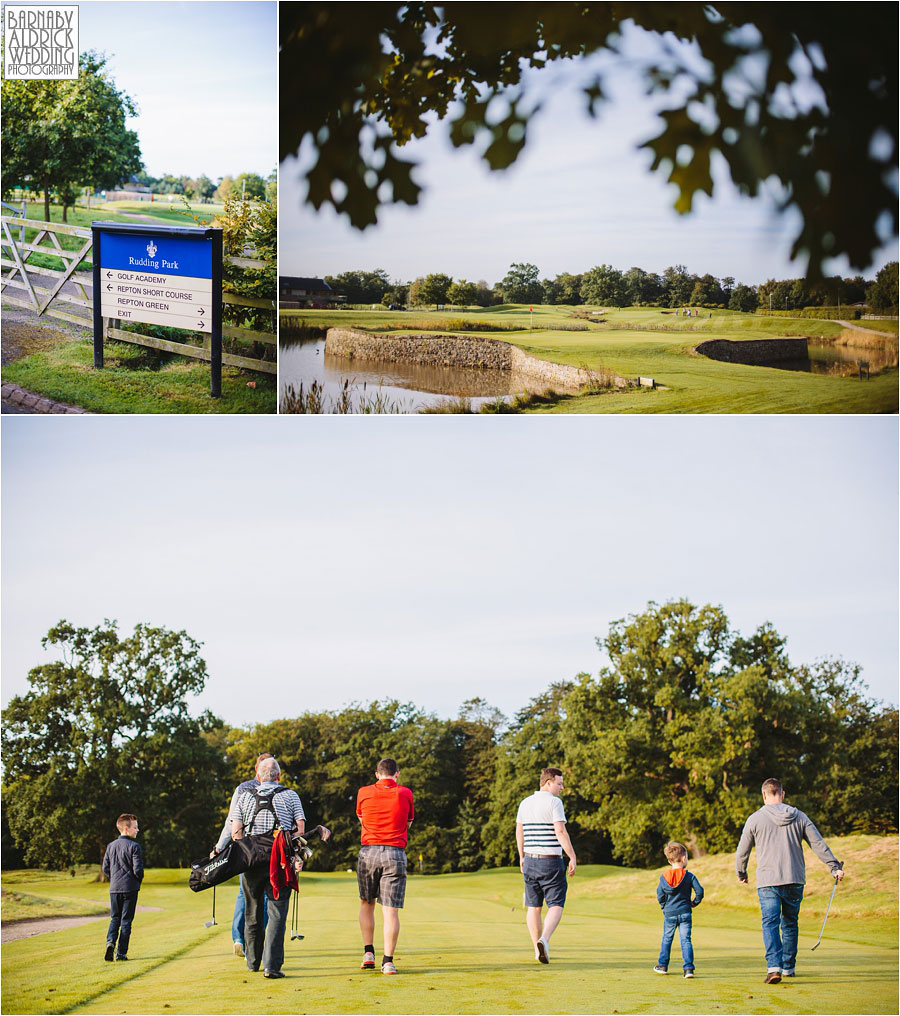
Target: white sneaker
388, 968
542, 951
239, 949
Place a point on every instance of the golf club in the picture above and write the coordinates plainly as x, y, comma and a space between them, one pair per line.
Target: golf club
209, 924
294, 933
833, 891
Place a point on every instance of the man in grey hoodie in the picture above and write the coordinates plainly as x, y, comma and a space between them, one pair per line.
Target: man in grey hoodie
778, 831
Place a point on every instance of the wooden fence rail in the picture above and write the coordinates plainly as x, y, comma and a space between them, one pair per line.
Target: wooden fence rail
59, 293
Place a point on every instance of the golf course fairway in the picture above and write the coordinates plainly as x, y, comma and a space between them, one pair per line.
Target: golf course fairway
464, 948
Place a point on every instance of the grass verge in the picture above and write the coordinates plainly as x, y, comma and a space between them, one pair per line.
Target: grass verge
19, 906
464, 948
138, 380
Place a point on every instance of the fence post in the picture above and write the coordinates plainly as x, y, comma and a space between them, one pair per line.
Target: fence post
24, 217
215, 338
97, 297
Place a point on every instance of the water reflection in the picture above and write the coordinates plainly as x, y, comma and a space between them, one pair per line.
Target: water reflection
411, 386
842, 361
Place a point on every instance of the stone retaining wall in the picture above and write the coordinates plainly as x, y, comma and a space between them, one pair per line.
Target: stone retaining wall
755, 352
457, 351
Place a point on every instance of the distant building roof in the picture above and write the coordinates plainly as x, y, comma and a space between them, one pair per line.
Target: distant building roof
314, 285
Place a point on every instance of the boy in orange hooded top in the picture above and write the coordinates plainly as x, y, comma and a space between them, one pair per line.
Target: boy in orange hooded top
674, 895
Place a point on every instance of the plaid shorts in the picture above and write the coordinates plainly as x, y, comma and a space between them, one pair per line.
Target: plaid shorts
381, 874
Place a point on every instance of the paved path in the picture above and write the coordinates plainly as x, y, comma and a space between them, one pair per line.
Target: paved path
19, 400
11, 408
14, 931
868, 331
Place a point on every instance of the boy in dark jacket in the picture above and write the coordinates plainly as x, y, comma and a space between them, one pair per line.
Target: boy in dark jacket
123, 863
674, 896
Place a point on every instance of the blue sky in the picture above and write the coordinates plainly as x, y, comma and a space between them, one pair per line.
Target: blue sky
339, 559
204, 76
580, 195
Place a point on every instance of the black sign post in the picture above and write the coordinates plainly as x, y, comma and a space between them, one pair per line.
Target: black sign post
162, 275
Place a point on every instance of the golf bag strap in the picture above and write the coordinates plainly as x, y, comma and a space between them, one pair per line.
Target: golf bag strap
265, 802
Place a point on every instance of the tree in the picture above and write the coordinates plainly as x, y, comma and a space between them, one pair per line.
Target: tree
484, 294
249, 186
522, 284
534, 741
395, 70
57, 135
105, 730
743, 299
674, 739
329, 756
397, 295
361, 286
225, 188
605, 285
250, 226
434, 289
707, 292
641, 288
463, 293
204, 188
679, 284
882, 294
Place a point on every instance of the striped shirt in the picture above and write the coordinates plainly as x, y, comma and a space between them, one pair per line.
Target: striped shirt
225, 834
287, 807
536, 815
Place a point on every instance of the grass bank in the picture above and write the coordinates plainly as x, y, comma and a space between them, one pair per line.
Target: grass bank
136, 379
464, 948
657, 343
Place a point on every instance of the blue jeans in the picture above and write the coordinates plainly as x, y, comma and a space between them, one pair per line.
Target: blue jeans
121, 911
237, 921
681, 922
780, 906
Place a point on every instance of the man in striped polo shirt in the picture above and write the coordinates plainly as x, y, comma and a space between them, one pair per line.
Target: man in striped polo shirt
255, 813
541, 838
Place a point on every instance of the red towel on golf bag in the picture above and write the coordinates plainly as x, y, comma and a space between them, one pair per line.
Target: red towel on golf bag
281, 867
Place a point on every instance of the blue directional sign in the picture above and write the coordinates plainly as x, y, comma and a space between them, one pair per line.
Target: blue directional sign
159, 275
158, 255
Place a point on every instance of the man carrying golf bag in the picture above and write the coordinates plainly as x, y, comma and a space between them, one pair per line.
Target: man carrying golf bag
778, 831
259, 814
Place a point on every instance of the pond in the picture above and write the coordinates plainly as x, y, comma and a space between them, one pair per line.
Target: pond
843, 361
404, 387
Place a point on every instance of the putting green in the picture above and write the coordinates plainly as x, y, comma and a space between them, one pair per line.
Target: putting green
464, 949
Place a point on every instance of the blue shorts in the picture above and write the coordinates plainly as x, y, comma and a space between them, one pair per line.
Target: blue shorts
545, 881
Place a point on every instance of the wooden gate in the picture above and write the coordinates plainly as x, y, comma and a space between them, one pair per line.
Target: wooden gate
40, 272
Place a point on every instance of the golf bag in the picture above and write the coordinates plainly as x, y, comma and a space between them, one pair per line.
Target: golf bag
235, 859
239, 855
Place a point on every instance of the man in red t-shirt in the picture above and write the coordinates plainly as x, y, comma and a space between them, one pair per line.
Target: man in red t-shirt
385, 811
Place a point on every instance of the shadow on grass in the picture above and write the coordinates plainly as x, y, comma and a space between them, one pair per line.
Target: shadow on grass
139, 969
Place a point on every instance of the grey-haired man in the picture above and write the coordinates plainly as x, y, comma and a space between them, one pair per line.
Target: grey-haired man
256, 812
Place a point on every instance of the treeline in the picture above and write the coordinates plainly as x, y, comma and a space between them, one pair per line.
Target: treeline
672, 740
605, 285
245, 185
